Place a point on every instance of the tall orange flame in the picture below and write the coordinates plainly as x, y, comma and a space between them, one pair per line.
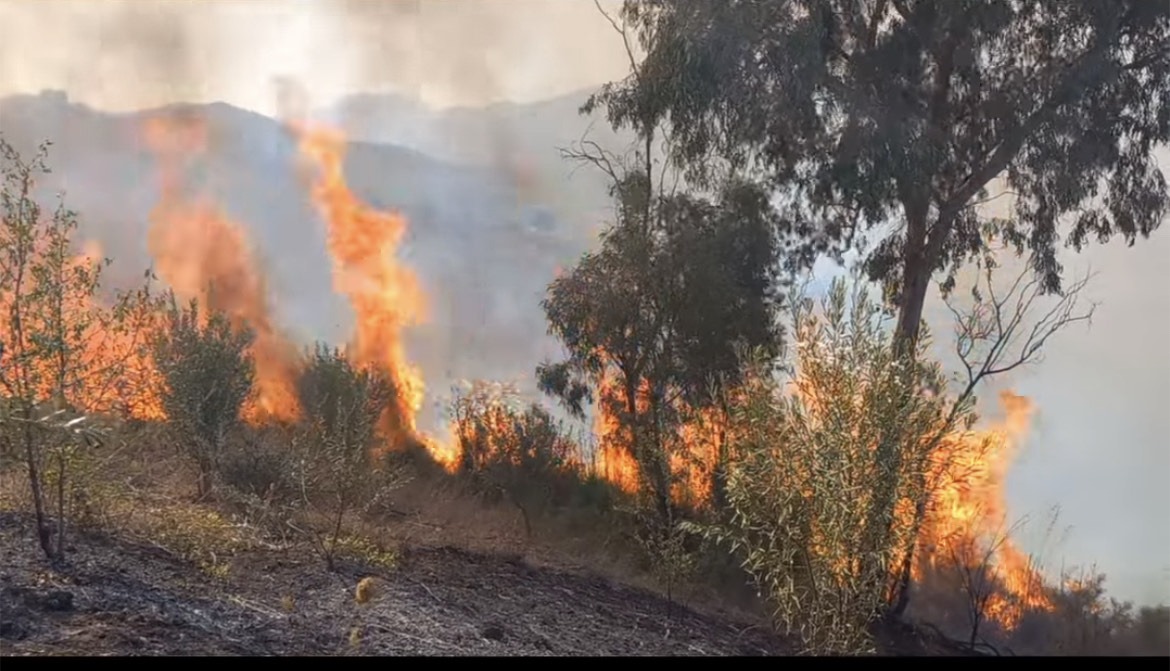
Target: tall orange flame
204, 255
385, 295
613, 460
967, 521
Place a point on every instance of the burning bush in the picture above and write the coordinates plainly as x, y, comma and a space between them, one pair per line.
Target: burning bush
494, 428
805, 470
1084, 620
511, 450
207, 376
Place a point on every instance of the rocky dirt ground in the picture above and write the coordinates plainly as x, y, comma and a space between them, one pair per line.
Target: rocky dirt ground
114, 597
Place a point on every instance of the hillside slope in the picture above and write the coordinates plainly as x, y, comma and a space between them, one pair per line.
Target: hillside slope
116, 597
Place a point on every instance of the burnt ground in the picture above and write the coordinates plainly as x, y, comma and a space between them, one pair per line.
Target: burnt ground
116, 597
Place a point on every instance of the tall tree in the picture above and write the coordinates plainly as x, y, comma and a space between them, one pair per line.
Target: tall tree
892, 119
678, 287
882, 125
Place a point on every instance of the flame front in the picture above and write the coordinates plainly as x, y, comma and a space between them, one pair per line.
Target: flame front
202, 254
385, 295
966, 522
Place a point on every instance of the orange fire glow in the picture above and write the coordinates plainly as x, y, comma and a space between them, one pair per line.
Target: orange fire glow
613, 460
107, 358
385, 295
970, 509
967, 511
201, 253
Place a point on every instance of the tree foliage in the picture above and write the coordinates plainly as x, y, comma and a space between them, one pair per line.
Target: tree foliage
207, 375
679, 284
884, 123
804, 478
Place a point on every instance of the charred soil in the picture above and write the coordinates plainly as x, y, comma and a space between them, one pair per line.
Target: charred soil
117, 597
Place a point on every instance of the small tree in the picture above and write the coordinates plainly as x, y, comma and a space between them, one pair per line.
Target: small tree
63, 352
664, 544
207, 375
657, 312
338, 469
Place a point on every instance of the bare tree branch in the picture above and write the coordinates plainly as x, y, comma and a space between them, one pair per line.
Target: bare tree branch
991, 336
621, 29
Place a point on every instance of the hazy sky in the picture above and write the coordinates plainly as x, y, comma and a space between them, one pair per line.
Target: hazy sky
1101, 443
131, 54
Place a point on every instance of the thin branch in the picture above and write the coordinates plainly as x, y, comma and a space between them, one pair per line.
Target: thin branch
590, 152
621, 30
992, 338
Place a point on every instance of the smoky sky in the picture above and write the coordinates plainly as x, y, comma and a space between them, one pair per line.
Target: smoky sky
1100, 445
133, 54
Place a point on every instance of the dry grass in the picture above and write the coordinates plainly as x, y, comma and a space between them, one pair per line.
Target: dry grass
143, 491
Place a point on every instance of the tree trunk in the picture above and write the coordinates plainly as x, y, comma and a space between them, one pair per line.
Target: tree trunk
900, 595
920, 263
916, 273
723, 459
658, 462
61, 468
203, 479
44, 534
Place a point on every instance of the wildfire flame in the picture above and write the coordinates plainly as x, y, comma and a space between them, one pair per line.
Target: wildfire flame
385, 295
613, 460
966, 522
202, 254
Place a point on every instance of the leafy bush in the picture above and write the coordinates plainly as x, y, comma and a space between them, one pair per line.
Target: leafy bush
338, 468
260, 463
805, 470
207, 375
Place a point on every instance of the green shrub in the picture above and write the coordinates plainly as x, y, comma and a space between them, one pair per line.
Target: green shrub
207, 375
338, 467
260, 463
804, 471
